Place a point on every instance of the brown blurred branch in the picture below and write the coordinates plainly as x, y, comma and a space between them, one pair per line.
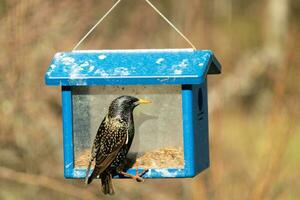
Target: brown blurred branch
279, 124
46, 182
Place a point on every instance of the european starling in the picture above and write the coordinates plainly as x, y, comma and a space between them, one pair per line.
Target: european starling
112, 142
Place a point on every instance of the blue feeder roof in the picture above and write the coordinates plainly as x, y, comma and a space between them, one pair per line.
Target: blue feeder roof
131, 67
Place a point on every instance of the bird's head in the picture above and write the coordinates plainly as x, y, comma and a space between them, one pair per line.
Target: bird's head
124, 105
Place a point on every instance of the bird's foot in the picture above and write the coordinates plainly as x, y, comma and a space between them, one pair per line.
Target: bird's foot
137, 177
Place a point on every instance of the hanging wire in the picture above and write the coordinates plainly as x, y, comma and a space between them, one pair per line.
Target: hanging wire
99, 21
149, 3
172, 25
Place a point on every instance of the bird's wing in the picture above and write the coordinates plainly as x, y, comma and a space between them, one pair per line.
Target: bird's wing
96, 146
110, 145
106, 160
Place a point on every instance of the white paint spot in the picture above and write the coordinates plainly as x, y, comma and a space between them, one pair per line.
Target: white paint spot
91, 68
68, 60
69, 165
81, 82
79, 174
52, 66
102, 57
206, 56
166, 173
101, 72
177, 71
121, 71
85, 64
184, 63
75, 73
160, 60
51, 69
58, 56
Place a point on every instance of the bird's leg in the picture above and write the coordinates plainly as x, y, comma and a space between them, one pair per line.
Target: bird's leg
137, 177
143, 172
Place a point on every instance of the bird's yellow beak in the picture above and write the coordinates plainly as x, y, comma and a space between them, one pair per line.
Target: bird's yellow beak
144, 101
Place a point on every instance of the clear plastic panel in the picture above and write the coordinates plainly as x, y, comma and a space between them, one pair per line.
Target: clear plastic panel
158, 126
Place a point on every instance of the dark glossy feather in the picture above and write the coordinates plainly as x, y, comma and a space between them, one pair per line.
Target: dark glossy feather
110, 138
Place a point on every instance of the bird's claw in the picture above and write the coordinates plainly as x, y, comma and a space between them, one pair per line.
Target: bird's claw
137, 177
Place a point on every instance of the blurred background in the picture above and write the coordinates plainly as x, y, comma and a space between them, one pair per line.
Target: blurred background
254, 104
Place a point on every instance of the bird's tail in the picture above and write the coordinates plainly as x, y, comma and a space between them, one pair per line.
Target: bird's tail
94, 175
107, 185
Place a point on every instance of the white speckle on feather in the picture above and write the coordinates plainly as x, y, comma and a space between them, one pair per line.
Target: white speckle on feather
68, 60
201, 65
121, 71
102, 57
160, 60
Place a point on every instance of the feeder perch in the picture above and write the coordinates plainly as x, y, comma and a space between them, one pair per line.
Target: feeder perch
171, 134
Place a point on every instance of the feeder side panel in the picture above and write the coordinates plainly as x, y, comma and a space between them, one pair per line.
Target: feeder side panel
188, 135
200, 124
67, 131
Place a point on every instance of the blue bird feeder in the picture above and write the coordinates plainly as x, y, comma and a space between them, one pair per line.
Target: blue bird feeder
171, 134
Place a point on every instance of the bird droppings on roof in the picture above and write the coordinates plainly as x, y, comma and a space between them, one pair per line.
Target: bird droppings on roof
101, 67
160, 60
68, 60
178, 68
177, 71
101, 72
51, 69
85, 64
184, 63
121, 71
102, 57
206, 56
58, 55
91, 68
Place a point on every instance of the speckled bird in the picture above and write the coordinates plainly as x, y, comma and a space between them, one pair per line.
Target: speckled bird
112, 142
